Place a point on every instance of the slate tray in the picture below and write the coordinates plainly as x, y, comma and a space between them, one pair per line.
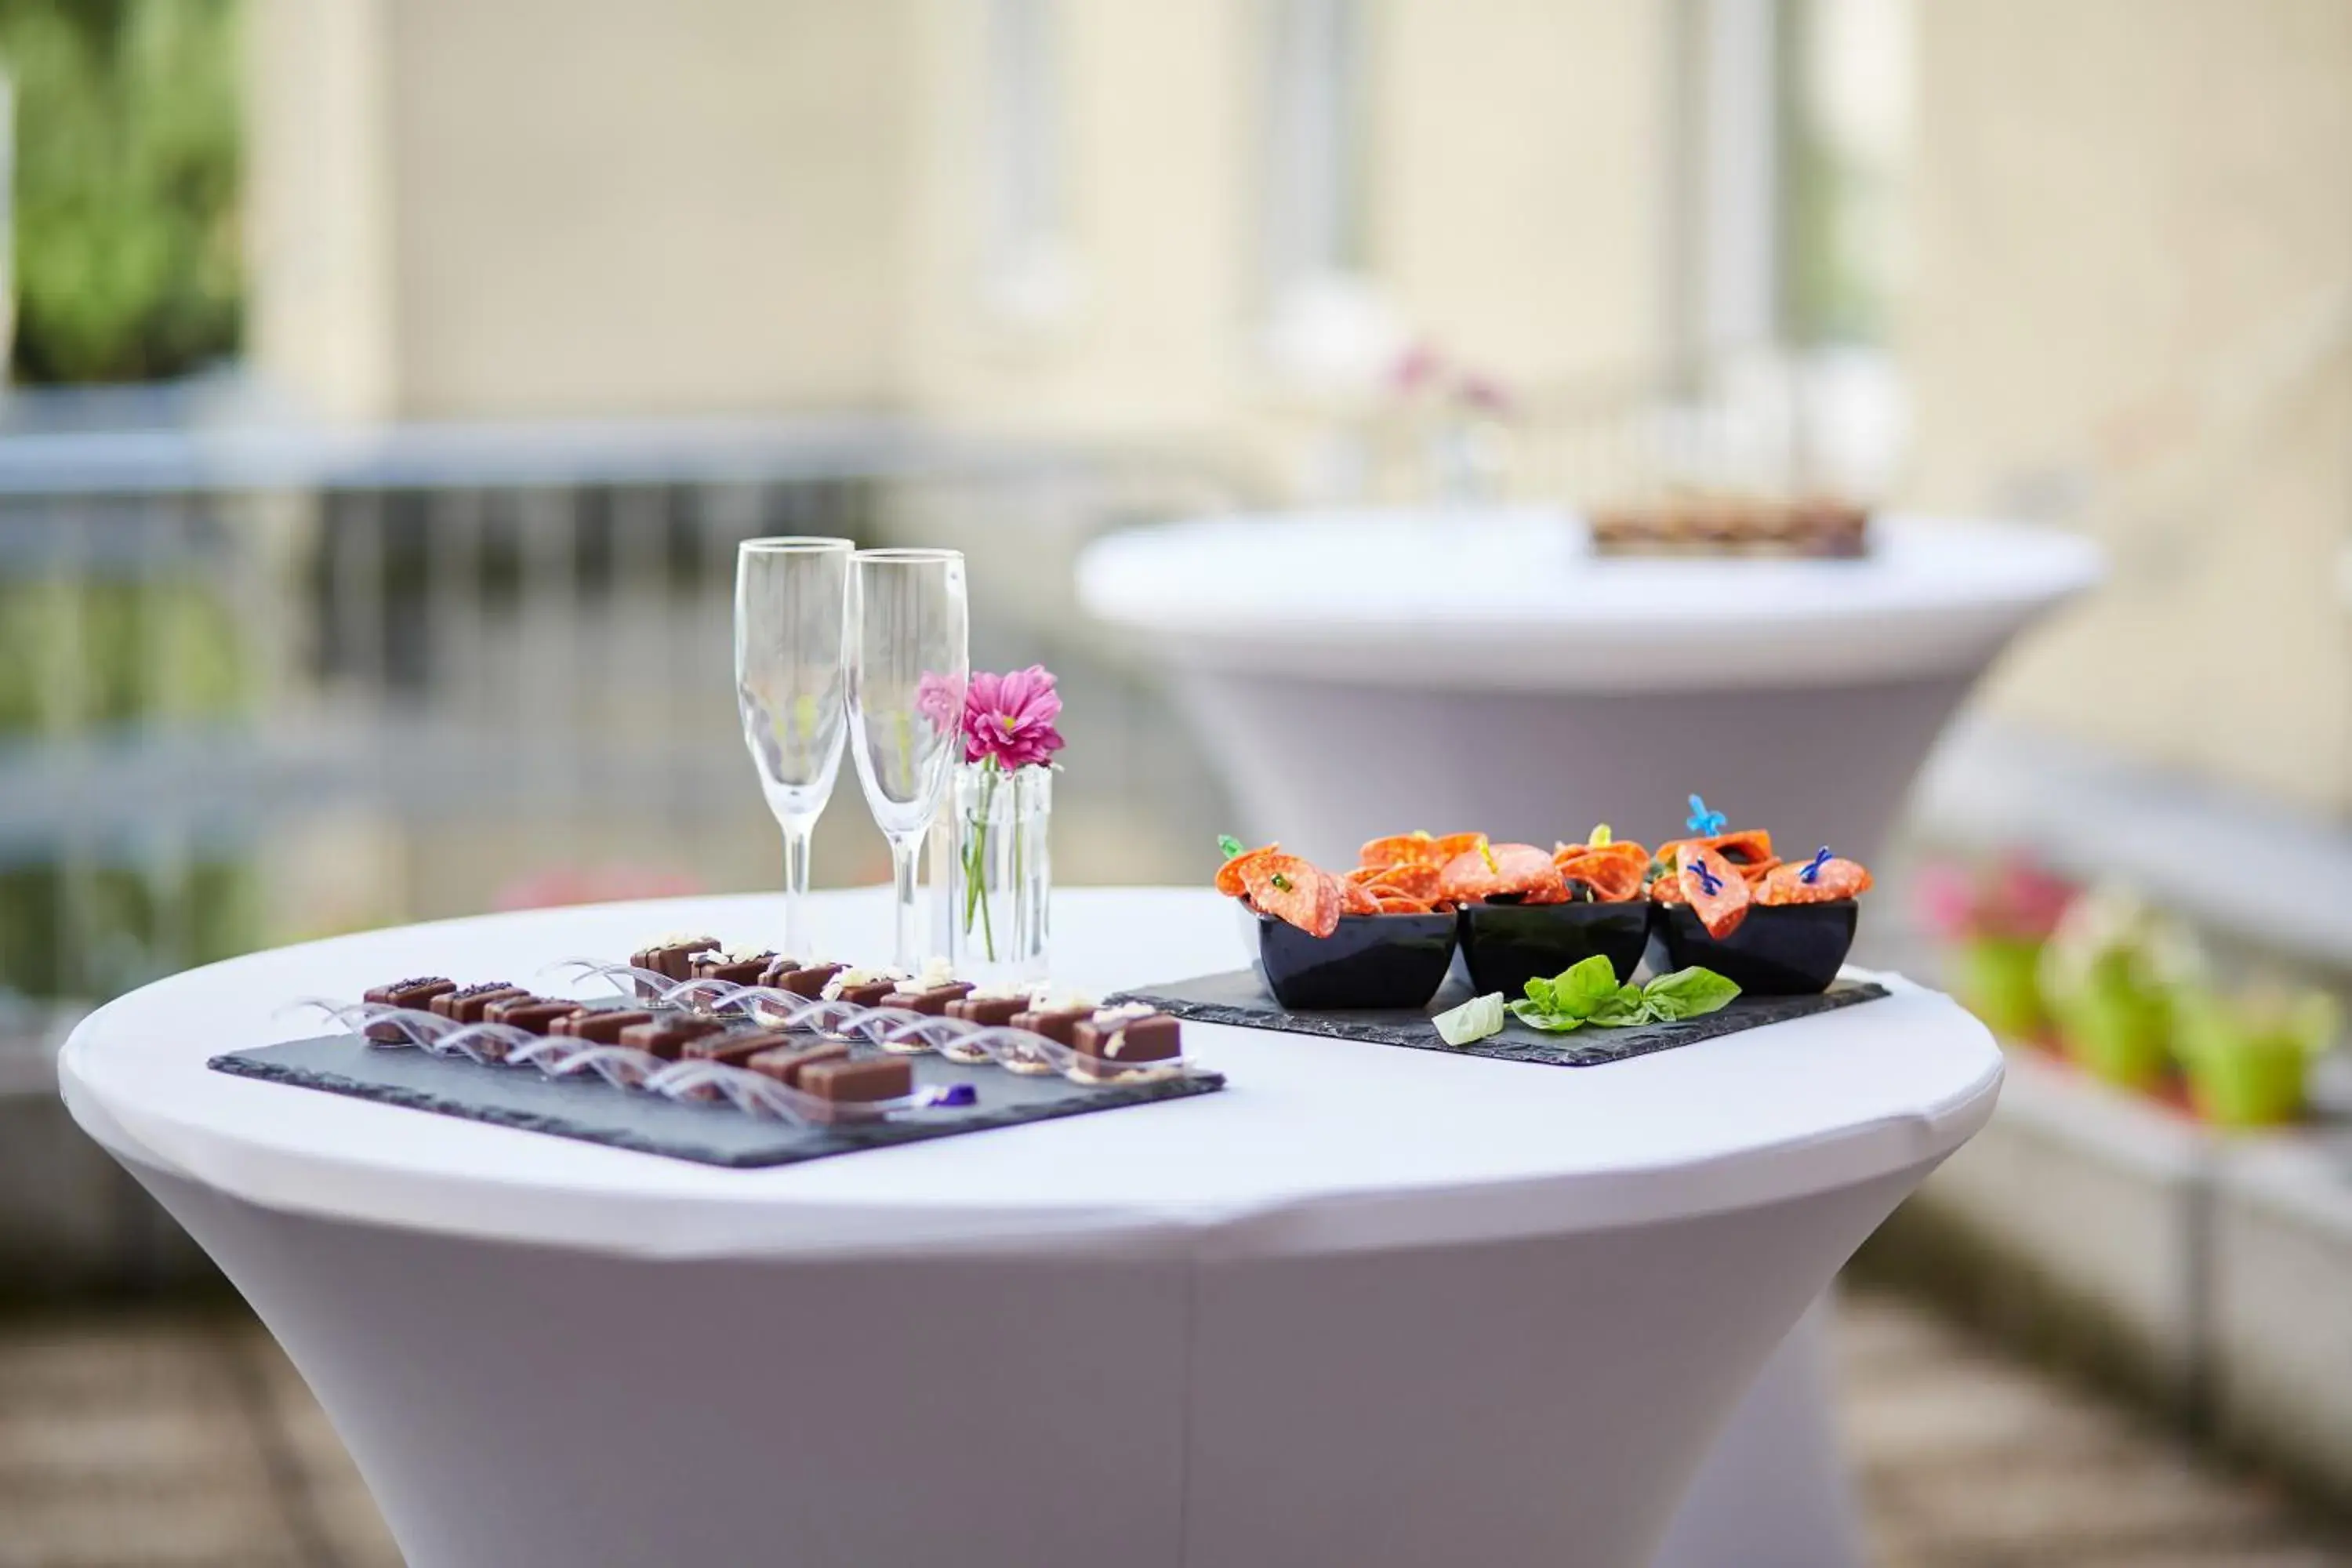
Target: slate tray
595, 1112
1240, 998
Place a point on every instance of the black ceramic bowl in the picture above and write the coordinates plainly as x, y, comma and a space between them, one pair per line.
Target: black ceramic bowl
1371, 961
1506, 945
1780, 950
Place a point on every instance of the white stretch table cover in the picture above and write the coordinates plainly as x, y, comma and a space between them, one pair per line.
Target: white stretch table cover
1485, 599
1357, 674
1368, 1305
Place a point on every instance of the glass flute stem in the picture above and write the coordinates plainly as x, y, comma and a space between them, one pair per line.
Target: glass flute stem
906, 942
797, 831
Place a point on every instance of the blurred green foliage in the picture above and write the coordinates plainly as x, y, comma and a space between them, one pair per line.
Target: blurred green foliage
126, 187
79, 652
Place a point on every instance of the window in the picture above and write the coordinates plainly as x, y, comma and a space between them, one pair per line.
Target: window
1795, 127
1315, 217
1325, 321
1845, 68
1027, 257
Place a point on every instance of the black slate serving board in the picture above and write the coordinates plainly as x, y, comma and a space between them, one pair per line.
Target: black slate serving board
593, 1110
1240, 998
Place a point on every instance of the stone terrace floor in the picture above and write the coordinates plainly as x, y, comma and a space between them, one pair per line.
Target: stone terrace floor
156, 1439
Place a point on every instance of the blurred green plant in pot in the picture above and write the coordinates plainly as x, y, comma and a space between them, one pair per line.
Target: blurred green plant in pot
1997, 921
2248, 1058
128, 265
2109, 974
128, 262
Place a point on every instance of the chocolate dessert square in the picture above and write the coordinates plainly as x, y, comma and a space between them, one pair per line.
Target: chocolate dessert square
599, 1025
870, 995
778, 967
1059, 1025
1155, 1038
468, 1003
991, 1011
417, 992
536, 1014
808, 980
666, 1036
734, 1047
736, 971
934, 1001
672, 958
857, 1078
785, 1063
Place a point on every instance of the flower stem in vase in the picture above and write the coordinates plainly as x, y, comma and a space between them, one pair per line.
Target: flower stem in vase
975, 867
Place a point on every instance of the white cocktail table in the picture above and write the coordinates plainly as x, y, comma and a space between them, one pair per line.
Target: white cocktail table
1367, 1306
1358, 673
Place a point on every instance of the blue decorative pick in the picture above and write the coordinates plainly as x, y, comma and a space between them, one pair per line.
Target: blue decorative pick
1709, 883
1813, 871
945, 1095
1705, 823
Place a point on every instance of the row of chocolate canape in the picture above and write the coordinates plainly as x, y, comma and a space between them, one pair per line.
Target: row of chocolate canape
1383, 935
685, 1026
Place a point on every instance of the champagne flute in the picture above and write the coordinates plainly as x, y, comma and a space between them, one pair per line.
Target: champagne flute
909, 660
790, 598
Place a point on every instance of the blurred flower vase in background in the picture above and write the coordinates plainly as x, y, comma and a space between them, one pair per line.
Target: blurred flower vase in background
2248, 1059
1000, 872
2108, 975
1997, 922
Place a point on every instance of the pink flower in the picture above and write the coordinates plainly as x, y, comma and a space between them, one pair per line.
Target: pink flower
1947, 901
1010, 717
1415, 368
1487, 396
2028, 899
591, 885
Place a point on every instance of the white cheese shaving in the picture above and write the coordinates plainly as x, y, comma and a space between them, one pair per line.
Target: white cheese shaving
849, 979
1042, 1000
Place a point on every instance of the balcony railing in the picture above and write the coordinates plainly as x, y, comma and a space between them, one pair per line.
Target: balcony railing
264, 681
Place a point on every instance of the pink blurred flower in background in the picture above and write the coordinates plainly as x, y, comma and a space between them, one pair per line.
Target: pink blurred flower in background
1009, 718
591, 885
2014, 900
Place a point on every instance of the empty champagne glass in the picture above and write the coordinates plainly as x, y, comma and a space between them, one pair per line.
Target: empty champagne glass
791, 595
909, 660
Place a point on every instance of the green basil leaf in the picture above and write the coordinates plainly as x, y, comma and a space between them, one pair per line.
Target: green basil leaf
1539, 994
1544, 1019
1687, 993
1583, 988
1620, 1010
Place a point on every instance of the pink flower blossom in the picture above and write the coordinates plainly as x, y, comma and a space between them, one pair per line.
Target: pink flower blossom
1415, 368
1010, 717
1484, 394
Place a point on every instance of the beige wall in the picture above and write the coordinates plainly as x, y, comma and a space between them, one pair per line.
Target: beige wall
547, 207
2135, 286
318, 210
1516, 210
586, 205
1155, 132
1522, 202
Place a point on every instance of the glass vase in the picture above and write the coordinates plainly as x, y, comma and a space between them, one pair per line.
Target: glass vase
999, 875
